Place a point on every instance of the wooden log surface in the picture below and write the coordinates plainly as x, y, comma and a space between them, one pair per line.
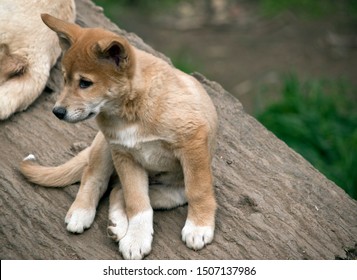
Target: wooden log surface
272, 204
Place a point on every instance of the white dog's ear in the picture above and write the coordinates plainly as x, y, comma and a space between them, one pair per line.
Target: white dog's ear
11, 65
66, 32
116, 50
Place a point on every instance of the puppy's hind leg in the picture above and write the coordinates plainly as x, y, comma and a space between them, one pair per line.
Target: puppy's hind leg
164, 197
118, 220
161, 197
94, 182
166, 190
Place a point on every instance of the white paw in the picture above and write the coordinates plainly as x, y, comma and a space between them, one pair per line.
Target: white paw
136, 244
30, 157
196, 237
80, 219
118, 224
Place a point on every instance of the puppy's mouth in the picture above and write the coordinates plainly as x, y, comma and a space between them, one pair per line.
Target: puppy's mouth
78, 114
90, 115
74, 117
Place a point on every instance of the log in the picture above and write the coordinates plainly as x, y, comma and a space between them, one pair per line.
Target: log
272, 204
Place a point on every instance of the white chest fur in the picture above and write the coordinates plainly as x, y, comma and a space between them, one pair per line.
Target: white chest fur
130, 136
127, 136
146, 149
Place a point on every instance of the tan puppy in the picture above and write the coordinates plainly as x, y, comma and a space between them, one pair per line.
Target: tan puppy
157, 128
28, 50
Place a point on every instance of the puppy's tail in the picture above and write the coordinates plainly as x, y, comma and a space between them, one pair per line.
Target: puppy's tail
59, 176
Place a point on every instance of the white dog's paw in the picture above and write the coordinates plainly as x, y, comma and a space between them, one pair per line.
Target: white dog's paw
196, 237
118, 224
136, 244
80, 219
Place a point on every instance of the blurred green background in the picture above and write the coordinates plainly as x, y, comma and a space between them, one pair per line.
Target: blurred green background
292, 63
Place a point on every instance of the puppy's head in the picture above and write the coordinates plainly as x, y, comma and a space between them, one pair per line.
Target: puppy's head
97, 66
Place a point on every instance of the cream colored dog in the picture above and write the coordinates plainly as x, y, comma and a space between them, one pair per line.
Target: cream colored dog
28, 50
157, 130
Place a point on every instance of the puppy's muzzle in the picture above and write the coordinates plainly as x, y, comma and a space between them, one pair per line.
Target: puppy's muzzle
60, 112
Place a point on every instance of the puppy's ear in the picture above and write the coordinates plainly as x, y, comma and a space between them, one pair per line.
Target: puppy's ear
115, 50
66, 32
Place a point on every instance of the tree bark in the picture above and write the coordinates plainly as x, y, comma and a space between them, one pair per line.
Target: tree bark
272, 204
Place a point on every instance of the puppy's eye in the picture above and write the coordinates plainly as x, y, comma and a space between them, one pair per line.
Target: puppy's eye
85, 83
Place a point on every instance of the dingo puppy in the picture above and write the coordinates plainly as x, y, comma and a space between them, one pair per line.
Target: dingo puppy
28, 50
157, 130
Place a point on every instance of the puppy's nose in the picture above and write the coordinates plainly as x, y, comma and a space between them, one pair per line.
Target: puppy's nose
60, 112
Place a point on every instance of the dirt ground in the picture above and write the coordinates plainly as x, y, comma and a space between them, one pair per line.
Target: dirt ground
251, 50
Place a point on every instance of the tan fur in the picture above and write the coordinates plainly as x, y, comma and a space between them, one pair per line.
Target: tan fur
157, 127
28, 50
12, 65
94, 182
58, 176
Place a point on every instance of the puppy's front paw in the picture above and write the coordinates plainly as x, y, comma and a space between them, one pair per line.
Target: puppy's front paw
196, 237
136, 244
79, 219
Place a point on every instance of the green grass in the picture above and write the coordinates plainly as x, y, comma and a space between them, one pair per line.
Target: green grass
305, 7
113, 7
318, 119
310, 8
185, 62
